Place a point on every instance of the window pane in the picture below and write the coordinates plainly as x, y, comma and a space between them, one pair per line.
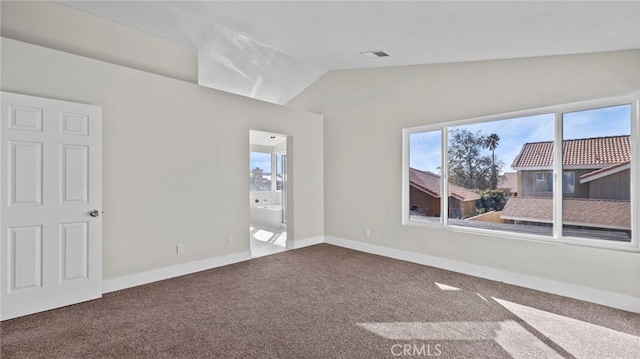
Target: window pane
500, 175
425, 162
260, 171
597, 149
543, 182
280, 171
568, 182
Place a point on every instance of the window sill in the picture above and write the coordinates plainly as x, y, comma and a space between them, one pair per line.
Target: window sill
583, 242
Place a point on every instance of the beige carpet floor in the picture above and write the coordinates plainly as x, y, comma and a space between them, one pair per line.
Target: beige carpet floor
325, 302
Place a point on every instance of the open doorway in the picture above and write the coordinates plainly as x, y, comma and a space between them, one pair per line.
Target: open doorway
268, 185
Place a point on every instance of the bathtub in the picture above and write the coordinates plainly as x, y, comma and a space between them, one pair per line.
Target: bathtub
270, 215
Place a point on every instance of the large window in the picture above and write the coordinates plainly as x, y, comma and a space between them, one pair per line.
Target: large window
500, 173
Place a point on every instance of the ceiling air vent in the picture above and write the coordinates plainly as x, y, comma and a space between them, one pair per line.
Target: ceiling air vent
375, 54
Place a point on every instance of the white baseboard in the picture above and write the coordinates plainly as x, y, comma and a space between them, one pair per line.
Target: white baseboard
305, 242
133, 280
610, 299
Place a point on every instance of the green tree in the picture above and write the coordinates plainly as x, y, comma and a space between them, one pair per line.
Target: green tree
468, 167
492, 200
491, 142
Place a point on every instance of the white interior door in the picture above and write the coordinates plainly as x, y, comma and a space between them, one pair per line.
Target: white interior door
51, 181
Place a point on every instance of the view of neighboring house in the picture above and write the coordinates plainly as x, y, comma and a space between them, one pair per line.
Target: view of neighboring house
425, 194
596, 183
508, 183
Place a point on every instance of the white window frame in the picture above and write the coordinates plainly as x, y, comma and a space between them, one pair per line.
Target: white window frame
633, 99
275, 165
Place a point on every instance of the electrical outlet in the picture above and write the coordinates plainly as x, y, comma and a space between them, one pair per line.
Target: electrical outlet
367, 232
229, 240
180, 248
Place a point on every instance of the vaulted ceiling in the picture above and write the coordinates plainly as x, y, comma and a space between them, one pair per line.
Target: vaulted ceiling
272, 50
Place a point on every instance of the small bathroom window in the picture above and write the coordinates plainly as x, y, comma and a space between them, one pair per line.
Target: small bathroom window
260, 172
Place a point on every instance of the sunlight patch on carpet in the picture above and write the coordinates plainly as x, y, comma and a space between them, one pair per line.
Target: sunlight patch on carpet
511, 336
446, 287
579, 338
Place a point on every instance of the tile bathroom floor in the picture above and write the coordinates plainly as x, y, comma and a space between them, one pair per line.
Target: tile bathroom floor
267, 240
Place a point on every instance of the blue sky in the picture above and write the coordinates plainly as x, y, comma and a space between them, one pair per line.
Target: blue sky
260, 159
263, 160
425, 147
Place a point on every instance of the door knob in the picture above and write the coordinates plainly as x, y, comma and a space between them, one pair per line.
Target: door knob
94, 213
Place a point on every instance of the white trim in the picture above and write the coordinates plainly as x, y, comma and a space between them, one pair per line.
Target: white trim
586, 167
305, 242
406, 179
610, 299
514, 218
444, 179
635, 172
154, 275
533, 168
605, 173
566, 167
558, 191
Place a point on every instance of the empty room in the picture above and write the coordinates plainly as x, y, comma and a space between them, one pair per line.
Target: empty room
330, 179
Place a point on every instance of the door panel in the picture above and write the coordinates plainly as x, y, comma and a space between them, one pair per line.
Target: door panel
74, 124
51, 179
75, 255
25, 173
74, 185
25, 118
26, 257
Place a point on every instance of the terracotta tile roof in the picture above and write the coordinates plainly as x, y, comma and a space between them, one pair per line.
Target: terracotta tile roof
429, 182
603, 172
576, 211
584, 151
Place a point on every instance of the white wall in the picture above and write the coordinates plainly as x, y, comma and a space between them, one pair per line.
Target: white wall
366, 110
175, 157
63, 28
